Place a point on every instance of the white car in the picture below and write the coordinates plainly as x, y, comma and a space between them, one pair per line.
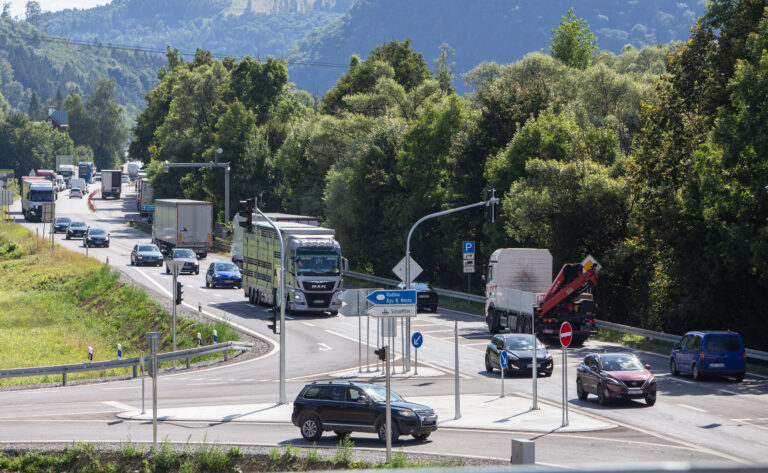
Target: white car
75, 192
125, 179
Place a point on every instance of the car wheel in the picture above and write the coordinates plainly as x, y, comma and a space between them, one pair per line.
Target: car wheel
167, 270
547, 374
421, 437
311, 428
673, 367
695, 374
340, 434
67, 237
602, 399
197, 271
107, 245
133, 263
580, 390
650, 399
207, 284
488, 366
382, 430
739, 377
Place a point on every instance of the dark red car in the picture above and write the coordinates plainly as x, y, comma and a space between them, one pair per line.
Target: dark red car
613, 376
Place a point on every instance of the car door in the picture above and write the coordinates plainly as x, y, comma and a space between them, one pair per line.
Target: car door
590, 377
678, 353
209, 273
692, 350
495, 353
356, 411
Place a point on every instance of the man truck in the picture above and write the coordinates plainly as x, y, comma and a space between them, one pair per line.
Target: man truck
181, 223
85, 170
111, 183
34, 192
236, 247
520, 292
314, 266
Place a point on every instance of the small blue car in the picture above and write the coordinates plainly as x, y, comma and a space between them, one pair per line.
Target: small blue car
223, 274
702, 353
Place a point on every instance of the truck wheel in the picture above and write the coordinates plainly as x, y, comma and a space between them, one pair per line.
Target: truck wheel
492, 321
578, 342
526, 326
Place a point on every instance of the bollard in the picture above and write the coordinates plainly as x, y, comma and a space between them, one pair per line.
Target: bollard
199, 339
134, 371
523, 452
119, 352
90, 353
215, 336
226, 355
63, 379
187, 362
107, 263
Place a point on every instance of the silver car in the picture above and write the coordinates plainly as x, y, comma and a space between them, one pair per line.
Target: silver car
185, 256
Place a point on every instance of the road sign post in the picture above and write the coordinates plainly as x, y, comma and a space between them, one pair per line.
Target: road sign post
503, 361
534, 363
566, 334
152, 339
468, 253
417, 339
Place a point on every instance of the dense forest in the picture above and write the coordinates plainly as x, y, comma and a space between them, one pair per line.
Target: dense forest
34, 63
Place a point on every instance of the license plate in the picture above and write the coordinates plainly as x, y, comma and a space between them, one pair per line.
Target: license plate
319, 301
228, 281
635, 391
529, 365
717, 365
424, 297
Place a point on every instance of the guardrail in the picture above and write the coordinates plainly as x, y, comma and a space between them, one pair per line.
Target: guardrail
667, 337
134, 362
441, 292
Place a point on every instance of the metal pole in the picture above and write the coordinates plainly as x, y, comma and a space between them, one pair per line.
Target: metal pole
359, 340
282, 302
457, 406
152, 339
534, 361
403, 344
389, 410
416, 363
408, 344
368, 343
141, 364
378, 340
175, 297
226, 196
565, 386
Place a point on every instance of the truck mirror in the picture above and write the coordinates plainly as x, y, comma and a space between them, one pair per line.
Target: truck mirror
344, 265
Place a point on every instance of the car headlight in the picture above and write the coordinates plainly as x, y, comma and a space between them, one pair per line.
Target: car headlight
612, 381
405, 413
512, 356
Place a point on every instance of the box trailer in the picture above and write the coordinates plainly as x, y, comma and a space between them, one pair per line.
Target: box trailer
181, 223
236, 246
111, 183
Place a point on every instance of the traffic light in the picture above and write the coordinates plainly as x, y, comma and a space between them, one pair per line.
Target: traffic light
178, 293
490, 206
247, 212
273, 319
382, 353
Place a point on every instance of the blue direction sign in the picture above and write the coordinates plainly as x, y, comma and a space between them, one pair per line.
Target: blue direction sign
417, 339
503, 357
384, 297
468, 247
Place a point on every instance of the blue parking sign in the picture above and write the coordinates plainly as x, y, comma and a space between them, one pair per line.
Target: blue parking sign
468, 247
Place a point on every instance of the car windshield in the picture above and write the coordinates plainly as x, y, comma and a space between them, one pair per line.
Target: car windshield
620, 363
148, 248
77, 224
379, 394
97, 231
183, 254
225, 267
723, 343
63, 220
521, 343
317, 264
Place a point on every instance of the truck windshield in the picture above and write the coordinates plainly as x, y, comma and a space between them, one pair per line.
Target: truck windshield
317, 264
41, 196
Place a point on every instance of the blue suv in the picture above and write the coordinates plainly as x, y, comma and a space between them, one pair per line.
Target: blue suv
344, 407
702, 353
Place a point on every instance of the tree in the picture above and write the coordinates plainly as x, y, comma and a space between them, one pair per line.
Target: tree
573, 42
36, 108
444, 68
33, 11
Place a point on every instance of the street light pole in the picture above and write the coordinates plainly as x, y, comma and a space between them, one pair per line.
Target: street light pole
282, 301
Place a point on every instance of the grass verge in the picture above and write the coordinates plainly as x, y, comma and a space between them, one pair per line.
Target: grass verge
213, 458
57, 304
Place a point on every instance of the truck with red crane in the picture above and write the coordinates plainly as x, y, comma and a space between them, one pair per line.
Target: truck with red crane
520, 292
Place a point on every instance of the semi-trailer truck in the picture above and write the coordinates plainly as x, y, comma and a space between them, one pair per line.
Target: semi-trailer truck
520, 292
181, 223
34, 192
314, 267
111, 183
236, 247
145, 201
46, 173
85, 170
68, 172
133, 169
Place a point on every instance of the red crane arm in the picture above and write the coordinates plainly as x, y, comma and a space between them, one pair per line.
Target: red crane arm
558, 292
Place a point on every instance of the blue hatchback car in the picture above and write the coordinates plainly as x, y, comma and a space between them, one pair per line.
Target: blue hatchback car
702, 353
223, 274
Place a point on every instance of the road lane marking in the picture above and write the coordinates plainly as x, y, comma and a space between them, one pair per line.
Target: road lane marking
748, 422
308, 324
691, 407
324, 347
119, 405
728, 392
681, 380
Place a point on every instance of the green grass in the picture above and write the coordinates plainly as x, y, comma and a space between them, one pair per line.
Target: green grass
57, 305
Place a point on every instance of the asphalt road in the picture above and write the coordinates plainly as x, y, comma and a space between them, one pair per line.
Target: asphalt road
716, 420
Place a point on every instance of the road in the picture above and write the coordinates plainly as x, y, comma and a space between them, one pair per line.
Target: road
712, 420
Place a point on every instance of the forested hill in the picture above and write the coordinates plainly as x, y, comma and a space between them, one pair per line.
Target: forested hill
500, 31
258, 28
34, 62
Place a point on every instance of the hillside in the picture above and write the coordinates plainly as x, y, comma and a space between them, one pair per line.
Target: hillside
483, 31
31, 61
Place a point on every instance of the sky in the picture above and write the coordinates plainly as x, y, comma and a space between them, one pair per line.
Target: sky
18, 7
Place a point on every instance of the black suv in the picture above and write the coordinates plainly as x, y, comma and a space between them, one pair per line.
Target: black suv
344, 407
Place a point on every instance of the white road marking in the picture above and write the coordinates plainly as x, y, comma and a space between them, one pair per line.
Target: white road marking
324, 347
691, 407
119, 405
308, 324
436, 331
682, 380
728, 392
748, 422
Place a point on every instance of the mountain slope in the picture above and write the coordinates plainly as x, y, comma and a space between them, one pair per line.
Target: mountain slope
500, 31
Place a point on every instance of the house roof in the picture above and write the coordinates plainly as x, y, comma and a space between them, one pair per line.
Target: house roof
59, 117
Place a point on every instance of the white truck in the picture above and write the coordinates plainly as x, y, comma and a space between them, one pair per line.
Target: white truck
181, 223
520, 291
133, 169
111, 183
314, 267
68, 172
34, 192
145, 200
236, 247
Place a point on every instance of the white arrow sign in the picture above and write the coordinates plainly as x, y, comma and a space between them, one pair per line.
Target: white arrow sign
392, 311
